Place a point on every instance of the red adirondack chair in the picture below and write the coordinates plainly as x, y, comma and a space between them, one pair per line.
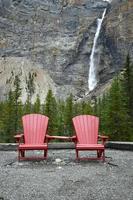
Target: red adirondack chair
34, 135
86, 129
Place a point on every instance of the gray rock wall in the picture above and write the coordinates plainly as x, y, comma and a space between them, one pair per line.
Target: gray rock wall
57, 36
117, 39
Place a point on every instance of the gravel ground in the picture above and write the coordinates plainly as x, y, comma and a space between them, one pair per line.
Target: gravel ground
63, 178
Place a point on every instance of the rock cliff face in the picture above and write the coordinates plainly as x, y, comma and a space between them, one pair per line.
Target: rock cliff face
54, 38
116, 39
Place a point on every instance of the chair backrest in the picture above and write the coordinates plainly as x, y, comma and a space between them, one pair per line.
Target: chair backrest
86, 128
35, 128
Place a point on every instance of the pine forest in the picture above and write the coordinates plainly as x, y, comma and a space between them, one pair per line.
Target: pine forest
114, 108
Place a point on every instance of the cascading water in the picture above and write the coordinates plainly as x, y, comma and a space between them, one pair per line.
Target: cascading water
92, 80
109, 1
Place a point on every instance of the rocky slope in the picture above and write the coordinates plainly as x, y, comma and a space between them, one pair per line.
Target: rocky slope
115, 42
116, 38
54, 38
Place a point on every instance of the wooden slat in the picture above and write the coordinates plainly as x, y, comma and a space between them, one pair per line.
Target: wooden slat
86, 127
35, 127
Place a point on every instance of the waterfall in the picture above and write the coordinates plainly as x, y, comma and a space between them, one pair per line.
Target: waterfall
109, 1
92, 80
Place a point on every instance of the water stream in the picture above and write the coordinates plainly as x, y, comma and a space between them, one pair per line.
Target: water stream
92, 80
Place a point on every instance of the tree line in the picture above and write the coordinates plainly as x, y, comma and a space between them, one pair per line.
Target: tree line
114, 108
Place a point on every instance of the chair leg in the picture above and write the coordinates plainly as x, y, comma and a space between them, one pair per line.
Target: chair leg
18, 155
103, 155
23, 153
45, 153
77, 154
98, 154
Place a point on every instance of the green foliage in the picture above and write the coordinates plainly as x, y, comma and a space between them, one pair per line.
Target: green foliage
60, 123
37, 105
127, 84
68, 115
86, 108
28, 106
16, 102
117, 117
50, 109
114, 109
8, 118
12, 112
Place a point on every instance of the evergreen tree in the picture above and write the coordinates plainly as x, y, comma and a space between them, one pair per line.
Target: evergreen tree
8, 118
17, 102
28, 106
12, 112
1, 121
60, 117
69, 115
87, 108
77, 108
37, 105
127, 84
97, 106
51, 111
127, 91
103, 111
116, 117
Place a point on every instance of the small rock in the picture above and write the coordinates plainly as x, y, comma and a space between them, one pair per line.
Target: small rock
57, 160
59, 167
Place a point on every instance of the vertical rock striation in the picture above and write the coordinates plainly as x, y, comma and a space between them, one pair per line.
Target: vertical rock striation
55, 38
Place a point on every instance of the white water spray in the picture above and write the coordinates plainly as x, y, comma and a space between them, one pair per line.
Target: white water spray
92, 80
109, 1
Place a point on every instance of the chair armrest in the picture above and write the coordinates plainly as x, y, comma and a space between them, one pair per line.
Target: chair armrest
54, 137
103, 138
49, 137
19, 137
74, 138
